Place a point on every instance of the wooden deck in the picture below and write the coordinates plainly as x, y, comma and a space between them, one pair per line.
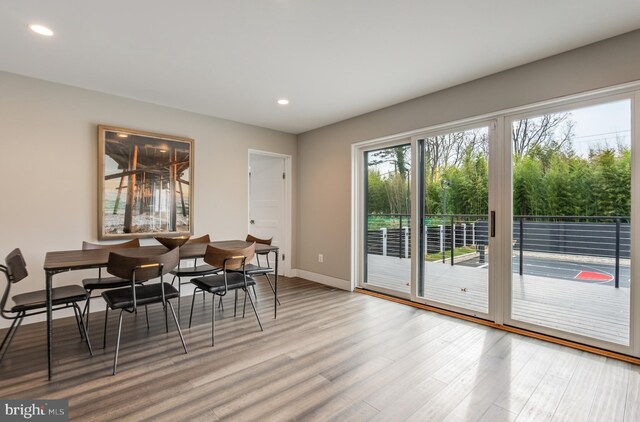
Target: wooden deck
593, 310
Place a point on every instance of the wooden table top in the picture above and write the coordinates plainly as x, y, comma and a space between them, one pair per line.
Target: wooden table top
95, 258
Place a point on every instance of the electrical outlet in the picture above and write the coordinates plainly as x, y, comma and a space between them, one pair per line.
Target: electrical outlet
320, 257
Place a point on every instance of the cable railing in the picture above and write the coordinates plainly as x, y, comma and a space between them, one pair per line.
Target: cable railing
459, 237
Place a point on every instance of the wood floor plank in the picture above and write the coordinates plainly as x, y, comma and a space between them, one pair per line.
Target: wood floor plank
611, 395
330, 355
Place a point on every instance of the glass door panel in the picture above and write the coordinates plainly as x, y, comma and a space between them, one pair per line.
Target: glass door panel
455, 239
571, 222
388, 219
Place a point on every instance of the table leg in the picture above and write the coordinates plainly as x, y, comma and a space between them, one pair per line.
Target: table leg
49, 282
275, 301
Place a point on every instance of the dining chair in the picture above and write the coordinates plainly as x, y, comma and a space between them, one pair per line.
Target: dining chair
227, 280
258, 270
138, 270
34, 303
100, 282
192, 270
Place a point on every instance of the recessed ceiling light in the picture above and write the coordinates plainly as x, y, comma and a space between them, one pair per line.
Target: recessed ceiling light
283, 101
42, 30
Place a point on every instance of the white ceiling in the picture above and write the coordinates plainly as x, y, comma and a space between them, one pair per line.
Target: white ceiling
333, 59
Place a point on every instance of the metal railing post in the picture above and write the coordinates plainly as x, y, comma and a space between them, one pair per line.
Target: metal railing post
617, 280
400, 238
384, 241
521, 244
464, 234
473, 233
453, 238
406, 241
442, 242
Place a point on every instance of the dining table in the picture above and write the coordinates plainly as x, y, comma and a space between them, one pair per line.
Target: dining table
56, 262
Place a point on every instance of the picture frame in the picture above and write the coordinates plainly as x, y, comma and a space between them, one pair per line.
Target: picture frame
145, 184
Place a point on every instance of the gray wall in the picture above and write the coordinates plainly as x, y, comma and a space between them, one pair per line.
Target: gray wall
324, 155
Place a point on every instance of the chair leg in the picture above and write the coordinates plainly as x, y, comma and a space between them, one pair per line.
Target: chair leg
146, 315
193, 301
78, 315
272, 289
220, 304
84, 329
255, 294
184, 345
255, 312
106, 317
213, 319
235, 302
244, 303
87, 310
179, 295
115, 358
166, 319
8, 338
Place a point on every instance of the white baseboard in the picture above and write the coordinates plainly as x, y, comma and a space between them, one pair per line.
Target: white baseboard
324, 279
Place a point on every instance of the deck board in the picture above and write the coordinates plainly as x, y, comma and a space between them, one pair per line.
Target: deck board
589, 309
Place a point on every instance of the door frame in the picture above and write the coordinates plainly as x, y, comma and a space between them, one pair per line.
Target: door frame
568, 104
359, 210
284, 265
494, 141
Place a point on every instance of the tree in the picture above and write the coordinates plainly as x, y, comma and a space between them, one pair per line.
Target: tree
551, 132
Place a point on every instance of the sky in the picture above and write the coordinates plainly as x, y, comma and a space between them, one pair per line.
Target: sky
600, 124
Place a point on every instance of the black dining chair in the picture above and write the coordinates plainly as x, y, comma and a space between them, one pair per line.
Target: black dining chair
34, 303
100, 282
258, 270
192, 268
127, 299
220, 284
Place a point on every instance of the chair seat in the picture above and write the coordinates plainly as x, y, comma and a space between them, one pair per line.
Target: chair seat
215, 283
38, 299
252, 269
200, 270
105, 283
145, 294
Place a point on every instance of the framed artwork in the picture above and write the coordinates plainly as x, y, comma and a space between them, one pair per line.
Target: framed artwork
145, 184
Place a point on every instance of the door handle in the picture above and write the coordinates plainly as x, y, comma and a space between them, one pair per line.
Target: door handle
493, 224
252, 221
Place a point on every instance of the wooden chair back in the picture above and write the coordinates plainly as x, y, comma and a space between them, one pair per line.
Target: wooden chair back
251, 238
229, 259
142, 268
16, 266
201, 239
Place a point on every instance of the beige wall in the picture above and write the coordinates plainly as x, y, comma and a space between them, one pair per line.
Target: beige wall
48, 142
324, 155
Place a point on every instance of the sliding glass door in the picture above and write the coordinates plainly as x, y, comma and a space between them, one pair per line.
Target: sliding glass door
454, 228
571, 248
387, 237
527, 219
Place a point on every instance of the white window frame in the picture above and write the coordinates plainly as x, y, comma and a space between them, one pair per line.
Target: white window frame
500, 161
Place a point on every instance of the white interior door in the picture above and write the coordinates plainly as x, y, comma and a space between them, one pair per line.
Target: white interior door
267, 201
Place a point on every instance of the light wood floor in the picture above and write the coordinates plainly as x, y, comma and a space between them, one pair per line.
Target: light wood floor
330, 355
